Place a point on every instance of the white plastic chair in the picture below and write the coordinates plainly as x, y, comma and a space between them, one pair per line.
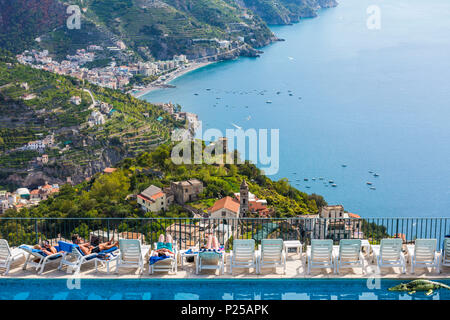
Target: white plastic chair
43, 259
210, 260
8, 256
74, 258
131, 255
425, 254
243, 254
272, 254
350, 255
445, 255
389, 254
320, 255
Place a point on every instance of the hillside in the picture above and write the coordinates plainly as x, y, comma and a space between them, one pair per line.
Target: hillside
36, 105
108, 195
286, 11
151, 29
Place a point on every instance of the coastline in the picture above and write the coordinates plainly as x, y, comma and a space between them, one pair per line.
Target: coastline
170, 77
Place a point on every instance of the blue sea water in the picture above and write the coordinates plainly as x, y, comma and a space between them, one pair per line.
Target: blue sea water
202, 289
375, 100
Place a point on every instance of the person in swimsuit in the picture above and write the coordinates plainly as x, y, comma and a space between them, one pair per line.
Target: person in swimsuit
46, 248
94, 246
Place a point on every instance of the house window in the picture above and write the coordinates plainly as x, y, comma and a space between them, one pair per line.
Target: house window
224, 213
243, 201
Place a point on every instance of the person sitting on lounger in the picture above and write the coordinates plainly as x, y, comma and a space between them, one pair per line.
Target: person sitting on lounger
94, 246
212, 244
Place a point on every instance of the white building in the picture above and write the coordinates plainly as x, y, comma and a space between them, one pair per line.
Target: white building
96, 118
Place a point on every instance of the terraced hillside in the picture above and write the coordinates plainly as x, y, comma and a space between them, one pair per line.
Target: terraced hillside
35, 104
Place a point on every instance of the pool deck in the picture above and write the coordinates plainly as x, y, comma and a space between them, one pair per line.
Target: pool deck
295, 269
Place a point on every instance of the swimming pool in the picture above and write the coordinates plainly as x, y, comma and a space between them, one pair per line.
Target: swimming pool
208, 289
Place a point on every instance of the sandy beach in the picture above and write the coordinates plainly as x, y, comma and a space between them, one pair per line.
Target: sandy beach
171, 76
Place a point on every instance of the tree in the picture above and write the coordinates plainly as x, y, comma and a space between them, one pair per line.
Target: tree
114, 186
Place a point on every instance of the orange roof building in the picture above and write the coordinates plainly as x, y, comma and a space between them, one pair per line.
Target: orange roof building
227, 207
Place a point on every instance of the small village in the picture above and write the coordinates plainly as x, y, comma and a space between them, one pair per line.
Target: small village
112, 76
23, 197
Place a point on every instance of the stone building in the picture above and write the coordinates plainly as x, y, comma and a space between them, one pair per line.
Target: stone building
186, 191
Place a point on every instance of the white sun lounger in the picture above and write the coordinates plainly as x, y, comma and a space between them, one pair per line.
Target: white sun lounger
210, 260
74, 258
320, 255
43, 259
349, 255
389, 254
271, 254
8, 255
425, 254
243, 255
445, 255
166, 265
131, 255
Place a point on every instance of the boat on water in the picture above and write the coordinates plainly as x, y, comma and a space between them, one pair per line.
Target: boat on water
369, 183
320, 178
330, 181
344, 166
334, 185
376, 175
306, 179
268, 101
313, 179
373, 188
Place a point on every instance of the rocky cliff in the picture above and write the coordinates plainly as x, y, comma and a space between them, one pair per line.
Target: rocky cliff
286, 11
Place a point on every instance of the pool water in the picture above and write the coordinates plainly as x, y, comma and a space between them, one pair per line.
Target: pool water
209, 289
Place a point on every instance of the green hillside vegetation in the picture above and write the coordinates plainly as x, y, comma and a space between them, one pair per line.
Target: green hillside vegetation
106, 194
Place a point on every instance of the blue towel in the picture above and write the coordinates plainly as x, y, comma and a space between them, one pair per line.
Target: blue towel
156, 259
107, 254
66, 246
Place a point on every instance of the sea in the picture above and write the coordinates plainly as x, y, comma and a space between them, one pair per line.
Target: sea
360, 96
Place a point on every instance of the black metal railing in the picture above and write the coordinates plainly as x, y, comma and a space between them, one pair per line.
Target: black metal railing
189, 232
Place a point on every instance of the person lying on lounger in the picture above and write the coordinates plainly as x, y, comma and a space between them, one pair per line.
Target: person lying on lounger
46, 248
164, 251
94, 246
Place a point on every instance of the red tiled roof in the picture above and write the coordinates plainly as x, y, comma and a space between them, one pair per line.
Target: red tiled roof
225, 203
143, 197
157, 195
354, 215
257, 206
109, 170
